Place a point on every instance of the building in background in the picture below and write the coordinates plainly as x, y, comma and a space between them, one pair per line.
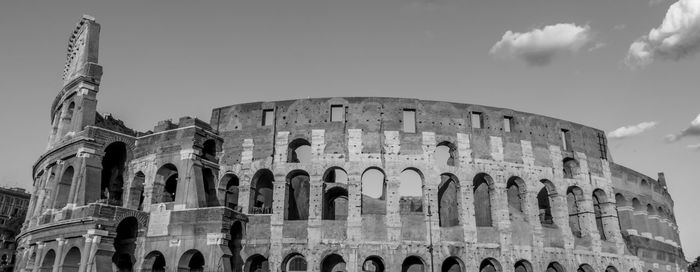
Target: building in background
335, 184
13, 209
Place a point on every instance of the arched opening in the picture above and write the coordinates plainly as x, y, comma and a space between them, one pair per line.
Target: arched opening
482, 200
411, 191
515, 191
373, 264
235, 246
646, 187
295, 263
448, 200
257, 263
373, 191
573, 196
490, 265
544, 203
136, 191
523, 266
333, 263
335, 175
413, 264
297, 196
209, 187
599, 199
209, 150
555, 267
452, 264
154, 262
299, 151
570, 167
71, 262
585, 268
610, 269
166, 184
67, 120
230, 184
125, 244
335, 204
446, 154
113, 166
261, 190
192, 260
49, 260
63, 188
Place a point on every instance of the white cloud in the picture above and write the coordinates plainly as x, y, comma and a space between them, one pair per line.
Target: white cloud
677, 37
695, 147
540, 46
692, 130
631, 130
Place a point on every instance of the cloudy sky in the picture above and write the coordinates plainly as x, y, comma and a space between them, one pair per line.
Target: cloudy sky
629, 67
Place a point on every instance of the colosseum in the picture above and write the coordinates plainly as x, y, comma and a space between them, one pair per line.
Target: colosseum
335, 184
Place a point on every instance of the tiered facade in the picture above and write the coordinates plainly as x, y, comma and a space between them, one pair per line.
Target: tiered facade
335, 184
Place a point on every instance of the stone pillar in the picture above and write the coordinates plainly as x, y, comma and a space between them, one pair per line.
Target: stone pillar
654, 224
467, 211
393, 211
499, 209
54, 130
315, 223
85, 253
586, 216
190, 186
58, 262
430, 200
277, 221
39, 256
64, 122
641, 224
354, 221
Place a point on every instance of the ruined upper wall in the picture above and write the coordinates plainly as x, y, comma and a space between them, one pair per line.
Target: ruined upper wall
374, 115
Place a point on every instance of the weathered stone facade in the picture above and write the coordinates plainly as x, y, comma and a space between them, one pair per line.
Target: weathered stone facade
325, 185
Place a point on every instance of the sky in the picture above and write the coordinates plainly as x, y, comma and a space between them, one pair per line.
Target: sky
628, 67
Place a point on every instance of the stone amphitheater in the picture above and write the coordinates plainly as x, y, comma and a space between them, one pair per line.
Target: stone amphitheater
335, 184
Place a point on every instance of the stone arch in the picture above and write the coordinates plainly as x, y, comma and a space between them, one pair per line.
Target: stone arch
63, 188
154, 262
335, 204
411, 191
71, 262
574, 195
413, 263
452, 264
446, 154
165, 185
136, 194
297, 196
335, 174
555, 267
209, 184
490, 265
571, 167
544, 202
261, 192
228, 186
449, 196
191, 260
299, 151
294, 262
600, 200
611, 268
523, 266
235, 245
585, 268
483, 196
125, 244
373, 187
113, 168
48, 260
373, 264
333, 263
515, 191
257, 263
